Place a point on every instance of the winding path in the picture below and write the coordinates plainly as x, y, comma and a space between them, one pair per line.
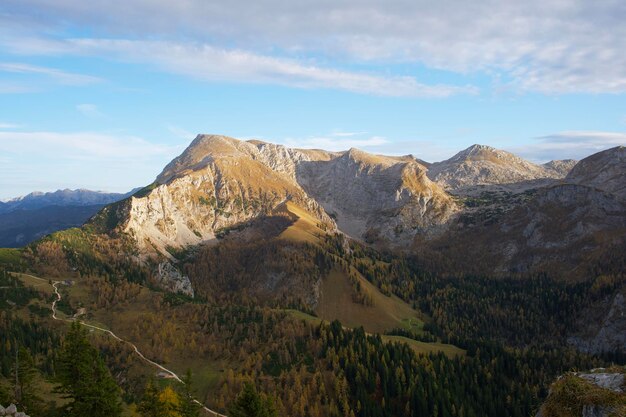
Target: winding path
116, 337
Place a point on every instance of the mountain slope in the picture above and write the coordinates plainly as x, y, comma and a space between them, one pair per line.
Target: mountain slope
484, 165
375, 197
216, 184
605, 170
557, 229
561, 167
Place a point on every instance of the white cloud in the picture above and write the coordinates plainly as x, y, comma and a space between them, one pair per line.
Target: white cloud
62, 77
551, 46
570, 145
4, 125
333, 143
89, 110
206, 62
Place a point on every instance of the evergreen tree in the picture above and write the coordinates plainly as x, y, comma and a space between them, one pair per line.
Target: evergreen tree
84, 378
188, 407
250, 403
24, 373
150, 405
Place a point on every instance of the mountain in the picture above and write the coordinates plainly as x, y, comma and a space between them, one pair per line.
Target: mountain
561, 167
219, 183
62, 198
20, 227
481, 165
28, 218
605, 170
558, 228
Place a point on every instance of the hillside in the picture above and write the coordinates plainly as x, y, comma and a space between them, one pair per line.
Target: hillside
605, 170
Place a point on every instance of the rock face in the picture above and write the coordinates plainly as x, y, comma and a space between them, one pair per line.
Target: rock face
605, 170
561, 167
377, 197
610, 381
171, 279
11, 411
218, 183
603, 328
484, 165
550, 229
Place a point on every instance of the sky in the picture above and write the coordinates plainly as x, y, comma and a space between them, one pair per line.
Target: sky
102, 94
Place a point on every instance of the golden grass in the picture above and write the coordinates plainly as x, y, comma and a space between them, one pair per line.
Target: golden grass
35, 282
386, 313
304, 229
424, 347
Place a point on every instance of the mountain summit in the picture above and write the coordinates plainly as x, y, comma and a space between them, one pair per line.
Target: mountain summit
484, 165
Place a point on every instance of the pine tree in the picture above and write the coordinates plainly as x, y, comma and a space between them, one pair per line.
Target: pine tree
188, 407
150, 405
85, 379
250, 403
24, 373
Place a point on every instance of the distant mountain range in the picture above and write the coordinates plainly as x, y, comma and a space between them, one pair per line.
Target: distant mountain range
37, 214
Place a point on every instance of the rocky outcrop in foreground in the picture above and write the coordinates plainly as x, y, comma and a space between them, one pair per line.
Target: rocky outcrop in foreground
11, 411
598, 393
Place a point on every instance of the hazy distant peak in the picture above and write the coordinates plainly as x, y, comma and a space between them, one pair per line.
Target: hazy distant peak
562, 166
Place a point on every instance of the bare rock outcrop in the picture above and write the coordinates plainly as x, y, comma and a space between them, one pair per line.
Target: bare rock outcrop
481, 165
605, 170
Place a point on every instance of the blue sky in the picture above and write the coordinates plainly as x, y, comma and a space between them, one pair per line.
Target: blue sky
102, 94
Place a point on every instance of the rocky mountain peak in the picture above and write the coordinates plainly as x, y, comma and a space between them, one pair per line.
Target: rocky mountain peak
562, 167
481, 165
203, 150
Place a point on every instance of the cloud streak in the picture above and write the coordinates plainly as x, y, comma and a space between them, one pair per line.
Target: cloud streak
209, 63
570, 145
334, 142
62, 77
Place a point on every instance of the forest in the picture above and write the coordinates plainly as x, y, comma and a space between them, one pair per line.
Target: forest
264, 360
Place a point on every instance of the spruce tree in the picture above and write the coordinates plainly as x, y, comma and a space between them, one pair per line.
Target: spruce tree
250, 403
85, 379
188, 407
150, 405
24, 373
